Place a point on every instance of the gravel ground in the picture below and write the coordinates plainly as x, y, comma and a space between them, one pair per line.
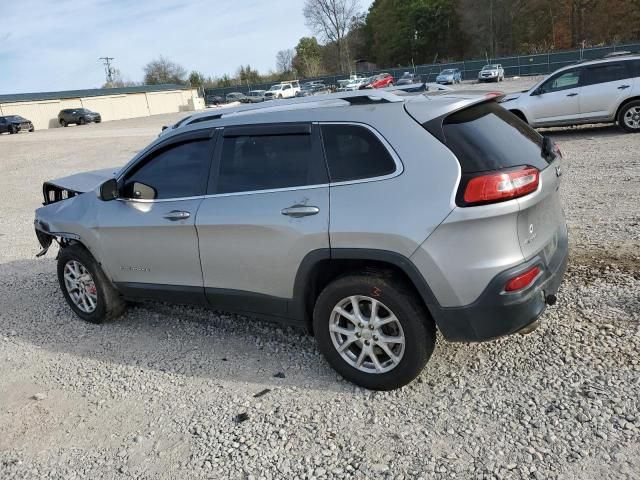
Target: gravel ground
180, 392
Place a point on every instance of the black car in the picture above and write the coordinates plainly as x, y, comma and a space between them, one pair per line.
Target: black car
79, 116
312, 88
15, 124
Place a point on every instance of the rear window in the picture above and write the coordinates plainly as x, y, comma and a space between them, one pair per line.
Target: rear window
487, 137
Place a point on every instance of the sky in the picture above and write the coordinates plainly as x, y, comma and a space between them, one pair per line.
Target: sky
51, 45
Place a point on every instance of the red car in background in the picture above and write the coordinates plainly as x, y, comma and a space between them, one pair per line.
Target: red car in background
381, 80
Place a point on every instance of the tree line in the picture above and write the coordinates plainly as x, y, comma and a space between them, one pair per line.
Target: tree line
396, 33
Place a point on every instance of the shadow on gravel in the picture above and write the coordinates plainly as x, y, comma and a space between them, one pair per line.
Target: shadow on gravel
183, 340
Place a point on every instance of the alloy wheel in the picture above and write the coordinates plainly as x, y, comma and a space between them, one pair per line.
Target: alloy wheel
632, 118
367, 334
80, 286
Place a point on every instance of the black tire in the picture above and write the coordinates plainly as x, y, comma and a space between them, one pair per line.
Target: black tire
109, 304
400, 298
64, 123
32, 129
81, 121
12, 130
635, 104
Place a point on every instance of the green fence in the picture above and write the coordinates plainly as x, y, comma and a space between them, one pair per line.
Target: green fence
522, 65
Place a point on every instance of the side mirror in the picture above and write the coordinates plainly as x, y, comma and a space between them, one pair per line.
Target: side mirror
538, 91
109, 190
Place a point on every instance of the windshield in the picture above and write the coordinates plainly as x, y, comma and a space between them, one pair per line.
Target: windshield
275, 87
406, 75
16, 118
447, 72
490, 67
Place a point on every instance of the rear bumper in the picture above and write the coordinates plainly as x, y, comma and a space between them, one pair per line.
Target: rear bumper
497, 313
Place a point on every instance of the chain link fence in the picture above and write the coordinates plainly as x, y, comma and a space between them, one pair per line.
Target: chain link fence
522, 65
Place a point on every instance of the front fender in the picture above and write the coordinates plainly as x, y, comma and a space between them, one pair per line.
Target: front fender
70, 219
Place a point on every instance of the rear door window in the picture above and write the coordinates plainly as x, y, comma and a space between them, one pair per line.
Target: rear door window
607, 72
268, 157
354, 152
486, 137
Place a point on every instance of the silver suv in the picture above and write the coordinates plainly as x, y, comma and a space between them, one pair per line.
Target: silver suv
598, 91
372, 218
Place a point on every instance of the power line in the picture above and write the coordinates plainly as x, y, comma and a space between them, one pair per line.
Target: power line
108, 69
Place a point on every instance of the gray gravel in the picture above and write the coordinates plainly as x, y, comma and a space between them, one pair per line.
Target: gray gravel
169, 392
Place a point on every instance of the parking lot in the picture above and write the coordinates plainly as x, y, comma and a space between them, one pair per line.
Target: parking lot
161, 392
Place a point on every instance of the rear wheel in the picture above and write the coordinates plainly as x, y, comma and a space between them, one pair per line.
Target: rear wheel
629, 117
85, 287
373, 330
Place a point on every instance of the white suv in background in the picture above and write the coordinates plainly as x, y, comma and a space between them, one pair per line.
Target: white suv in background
283, 90
597, 91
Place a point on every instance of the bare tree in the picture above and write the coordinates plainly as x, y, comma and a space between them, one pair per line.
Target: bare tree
163, 70
284, 60
331, 20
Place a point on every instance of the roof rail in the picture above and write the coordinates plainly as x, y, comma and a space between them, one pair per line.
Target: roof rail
359, 97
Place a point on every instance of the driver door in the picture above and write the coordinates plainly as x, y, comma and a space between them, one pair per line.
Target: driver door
148, 238
558, 99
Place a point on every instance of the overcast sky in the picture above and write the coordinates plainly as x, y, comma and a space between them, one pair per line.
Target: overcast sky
49, 45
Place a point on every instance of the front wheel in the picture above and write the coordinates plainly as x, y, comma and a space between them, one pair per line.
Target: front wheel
85, 287
81, 121
13, 129
629, 117
373, 330
63, 123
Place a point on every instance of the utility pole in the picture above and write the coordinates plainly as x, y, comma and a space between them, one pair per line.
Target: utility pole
108, 69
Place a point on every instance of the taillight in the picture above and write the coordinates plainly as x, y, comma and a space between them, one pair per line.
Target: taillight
500, 186
523, 280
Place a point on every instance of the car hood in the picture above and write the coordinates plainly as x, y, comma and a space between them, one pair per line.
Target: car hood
84, 182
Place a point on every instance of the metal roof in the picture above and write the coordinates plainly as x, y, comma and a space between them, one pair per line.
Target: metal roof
96, 92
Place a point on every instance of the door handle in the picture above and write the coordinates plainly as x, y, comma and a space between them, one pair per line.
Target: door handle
622, 87
571, 94
175, 215
299, 211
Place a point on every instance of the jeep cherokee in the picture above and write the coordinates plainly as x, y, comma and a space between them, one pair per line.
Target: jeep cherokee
372, 218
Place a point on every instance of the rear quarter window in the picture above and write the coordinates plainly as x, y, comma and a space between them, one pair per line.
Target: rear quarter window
487, 137
354, 152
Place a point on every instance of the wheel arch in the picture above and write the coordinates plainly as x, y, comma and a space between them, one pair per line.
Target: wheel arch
321, 267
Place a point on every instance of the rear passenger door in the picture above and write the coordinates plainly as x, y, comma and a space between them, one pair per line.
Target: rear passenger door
605, 86
267, 207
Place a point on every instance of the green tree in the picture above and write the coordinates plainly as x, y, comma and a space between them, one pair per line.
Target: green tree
308, 58
196, 79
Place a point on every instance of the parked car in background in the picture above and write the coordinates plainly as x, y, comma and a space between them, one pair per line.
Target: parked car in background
449, 76
79, 116
312, 88
15, 124
491, 73
255, 96
382, 80
597, 91
408, 78
235, 97
283, 90
354, 84
213, 100
315, 217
